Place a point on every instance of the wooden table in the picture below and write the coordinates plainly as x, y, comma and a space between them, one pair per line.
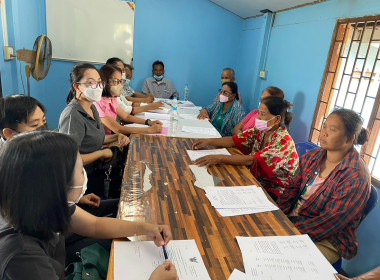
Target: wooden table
175, 201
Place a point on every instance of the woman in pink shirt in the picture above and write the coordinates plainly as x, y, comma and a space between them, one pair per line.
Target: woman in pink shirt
249, 121
109, 110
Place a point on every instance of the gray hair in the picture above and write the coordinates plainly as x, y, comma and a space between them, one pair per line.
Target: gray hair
231, 71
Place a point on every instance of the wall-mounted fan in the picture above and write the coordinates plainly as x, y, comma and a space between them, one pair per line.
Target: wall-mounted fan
37, 60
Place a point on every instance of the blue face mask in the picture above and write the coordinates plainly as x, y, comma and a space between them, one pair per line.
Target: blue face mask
127, 82
158, 78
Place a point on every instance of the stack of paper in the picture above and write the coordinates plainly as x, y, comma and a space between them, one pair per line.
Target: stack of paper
156, 116
283, 257
234, 201
185, 104
162, 110
199, 130
137, 260
196, 154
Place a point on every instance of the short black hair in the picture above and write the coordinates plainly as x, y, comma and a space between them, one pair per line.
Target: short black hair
114, 60
34, 186
105, 74
279, 107
129, 66
76, 74
234, 88
157, 62
15, 109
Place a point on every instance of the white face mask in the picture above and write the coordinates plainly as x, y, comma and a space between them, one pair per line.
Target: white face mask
84, 188
123, 76
93, 95
117, 90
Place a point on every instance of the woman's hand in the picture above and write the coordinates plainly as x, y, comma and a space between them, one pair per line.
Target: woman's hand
165, 271
151, 123
157, 105
154, 233
209, 160
203, 114
106, 154
200, 144
122, 140
156, 128
90, 199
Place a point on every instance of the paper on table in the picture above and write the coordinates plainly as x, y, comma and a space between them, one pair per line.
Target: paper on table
156, 116
202, 177
136, 125
196, 154
238, 197
137, 260
199, 130
237, 275
284, 257
188, 116
182, 104
160, 111
228, 212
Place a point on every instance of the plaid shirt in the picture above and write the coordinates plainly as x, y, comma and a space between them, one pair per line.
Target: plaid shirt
334, 211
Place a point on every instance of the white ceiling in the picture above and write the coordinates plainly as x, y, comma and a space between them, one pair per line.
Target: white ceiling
251, 8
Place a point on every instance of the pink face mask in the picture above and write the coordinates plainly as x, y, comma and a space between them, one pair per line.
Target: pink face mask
263, 125
223, 98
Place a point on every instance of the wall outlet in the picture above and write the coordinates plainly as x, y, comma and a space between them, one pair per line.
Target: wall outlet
263, 74
8, 53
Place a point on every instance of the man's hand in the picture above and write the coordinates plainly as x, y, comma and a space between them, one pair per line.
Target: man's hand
91, 200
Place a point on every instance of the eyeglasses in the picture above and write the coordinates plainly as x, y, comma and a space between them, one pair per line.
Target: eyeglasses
117, 81
94, 85
224, 92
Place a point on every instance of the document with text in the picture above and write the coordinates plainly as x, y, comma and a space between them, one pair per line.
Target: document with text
196, 154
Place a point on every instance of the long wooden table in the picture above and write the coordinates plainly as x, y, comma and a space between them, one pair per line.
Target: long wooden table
175, 201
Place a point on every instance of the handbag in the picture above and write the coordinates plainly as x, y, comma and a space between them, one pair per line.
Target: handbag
94, 265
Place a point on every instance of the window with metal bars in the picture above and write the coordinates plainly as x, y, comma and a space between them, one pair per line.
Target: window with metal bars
352, 80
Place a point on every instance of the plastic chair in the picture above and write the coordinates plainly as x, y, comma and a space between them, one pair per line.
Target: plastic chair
303, 147
371, 203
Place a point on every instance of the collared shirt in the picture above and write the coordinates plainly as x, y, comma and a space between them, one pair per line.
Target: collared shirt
334, 211
277, 161
87, 132
159, 89
128, 91
234, 116
107, 107
219, 118
125, 104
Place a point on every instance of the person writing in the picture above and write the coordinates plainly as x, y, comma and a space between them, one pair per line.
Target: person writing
45, 192
226, 112
267, 149
327, 196
109, 110
249, 121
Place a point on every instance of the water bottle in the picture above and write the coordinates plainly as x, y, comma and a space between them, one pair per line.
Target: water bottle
175, 102
173, 126
186, 93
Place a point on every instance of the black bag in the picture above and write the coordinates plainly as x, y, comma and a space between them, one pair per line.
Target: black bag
106, 178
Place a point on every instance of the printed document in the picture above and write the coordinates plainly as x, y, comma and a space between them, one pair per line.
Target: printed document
196, 154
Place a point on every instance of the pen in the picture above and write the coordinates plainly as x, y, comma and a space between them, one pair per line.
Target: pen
163, 247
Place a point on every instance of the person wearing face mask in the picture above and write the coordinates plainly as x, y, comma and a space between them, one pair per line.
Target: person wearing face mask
32, 234
268, 149
133, 98
226, 112
109, 110
249, 121
158, 85
20, 113
81, 120
228, 75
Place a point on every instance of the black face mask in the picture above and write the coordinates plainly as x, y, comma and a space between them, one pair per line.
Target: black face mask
42, 127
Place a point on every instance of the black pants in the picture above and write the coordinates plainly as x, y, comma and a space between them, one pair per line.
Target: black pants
75, 242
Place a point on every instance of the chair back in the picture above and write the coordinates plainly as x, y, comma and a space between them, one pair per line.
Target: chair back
372, 201
303, 147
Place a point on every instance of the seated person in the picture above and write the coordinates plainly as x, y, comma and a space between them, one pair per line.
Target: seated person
268, 148
329, 191
32, 234
249, 120
228, 75
109, 110
226, 112
159, 86
374, 274
80, 119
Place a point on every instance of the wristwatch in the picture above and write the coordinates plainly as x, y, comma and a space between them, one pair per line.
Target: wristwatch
147, 122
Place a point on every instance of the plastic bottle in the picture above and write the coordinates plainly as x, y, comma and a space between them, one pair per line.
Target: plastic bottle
186, 92
175, 102
173, 126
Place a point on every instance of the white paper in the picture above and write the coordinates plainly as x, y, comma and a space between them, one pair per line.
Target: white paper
202, 177
185, 104
188, 116
237, 275
162, 110
146, 183
156, 116
199, 130
196, 154
238, 197
284, 258
137, 260
228, 212
136, 125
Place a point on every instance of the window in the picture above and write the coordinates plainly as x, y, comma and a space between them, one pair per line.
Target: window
351, 80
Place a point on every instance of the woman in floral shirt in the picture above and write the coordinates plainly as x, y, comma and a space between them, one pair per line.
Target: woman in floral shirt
268, 148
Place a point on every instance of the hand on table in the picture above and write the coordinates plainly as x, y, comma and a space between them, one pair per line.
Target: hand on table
166, 271
209, 160
203, 114
157, 105
200, 144
90, 199
154, 233
150, 97
122, 140
155, 128
151, 123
